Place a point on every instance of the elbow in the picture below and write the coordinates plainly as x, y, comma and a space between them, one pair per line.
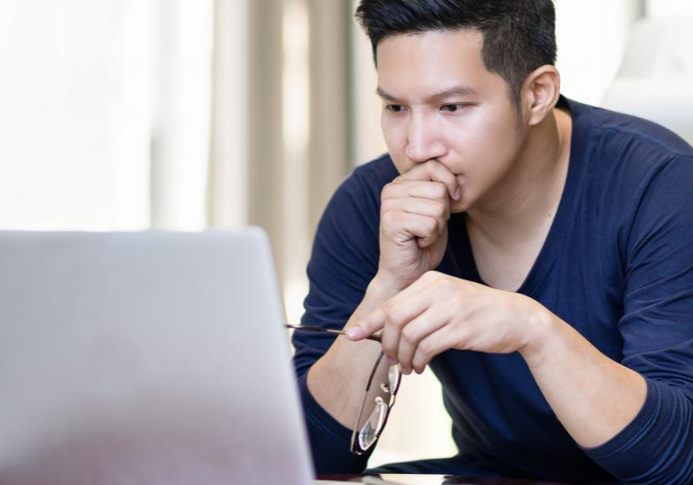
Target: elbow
657, 447
671, 461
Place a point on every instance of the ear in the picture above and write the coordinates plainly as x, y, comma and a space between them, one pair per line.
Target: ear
540, 93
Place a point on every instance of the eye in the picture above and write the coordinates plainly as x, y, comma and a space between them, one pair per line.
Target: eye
394, 108
454, 108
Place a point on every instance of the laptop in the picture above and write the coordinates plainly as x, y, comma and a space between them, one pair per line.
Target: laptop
146, 358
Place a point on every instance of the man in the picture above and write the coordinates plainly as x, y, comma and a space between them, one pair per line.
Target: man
537, 253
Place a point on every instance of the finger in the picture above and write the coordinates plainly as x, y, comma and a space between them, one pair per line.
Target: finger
401, 189
408, 305
436, 172
392, 330
402, 227
414, 333
367, 326
435, 343
425, 207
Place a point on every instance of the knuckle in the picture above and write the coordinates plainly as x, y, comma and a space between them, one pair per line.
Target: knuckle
389, 218
443, 284
389, 309
420, 362
431, 225
437, 168
433, 278
441, 210
427, 277
430, 165
388, 190
425, 349
440, 190
432, 275
389, 349
386, 205
409, 334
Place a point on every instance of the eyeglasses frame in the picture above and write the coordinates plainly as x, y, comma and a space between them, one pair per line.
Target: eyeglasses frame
355, 446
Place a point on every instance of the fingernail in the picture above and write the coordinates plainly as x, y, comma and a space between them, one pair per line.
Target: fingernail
391, 361
458, 193
354, 333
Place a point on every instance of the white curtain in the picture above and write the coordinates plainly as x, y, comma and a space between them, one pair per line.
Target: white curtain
104, 113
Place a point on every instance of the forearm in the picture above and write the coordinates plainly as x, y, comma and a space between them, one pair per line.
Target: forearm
593, 396
337, 380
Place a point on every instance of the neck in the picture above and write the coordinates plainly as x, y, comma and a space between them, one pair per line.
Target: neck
528, 197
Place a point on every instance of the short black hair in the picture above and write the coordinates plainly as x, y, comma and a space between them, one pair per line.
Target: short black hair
519, 36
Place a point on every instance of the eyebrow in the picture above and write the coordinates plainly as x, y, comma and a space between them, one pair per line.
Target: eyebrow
448, 93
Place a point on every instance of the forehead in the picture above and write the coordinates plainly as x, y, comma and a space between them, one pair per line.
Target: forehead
429, 62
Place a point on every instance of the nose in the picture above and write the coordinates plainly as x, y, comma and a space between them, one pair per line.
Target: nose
424, 141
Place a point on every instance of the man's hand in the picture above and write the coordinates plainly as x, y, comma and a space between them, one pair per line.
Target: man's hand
413, 237
413, 223
439, 312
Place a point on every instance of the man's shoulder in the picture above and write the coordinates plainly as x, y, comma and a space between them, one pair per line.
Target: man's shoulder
615, 131
378, 172
359, 193
367, 181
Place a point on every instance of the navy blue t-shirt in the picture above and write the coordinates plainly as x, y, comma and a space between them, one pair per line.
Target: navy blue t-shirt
617, 265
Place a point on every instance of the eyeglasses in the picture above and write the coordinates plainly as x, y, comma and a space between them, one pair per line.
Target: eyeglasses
378, 398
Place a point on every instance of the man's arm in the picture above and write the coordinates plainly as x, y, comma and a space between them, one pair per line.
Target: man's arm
415, 209
337, 381
412, 237
598, 401
593, 396
634, 417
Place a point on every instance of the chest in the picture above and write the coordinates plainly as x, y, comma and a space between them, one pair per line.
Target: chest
506, 266
563, 270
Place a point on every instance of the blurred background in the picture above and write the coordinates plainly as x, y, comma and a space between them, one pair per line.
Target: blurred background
192, 114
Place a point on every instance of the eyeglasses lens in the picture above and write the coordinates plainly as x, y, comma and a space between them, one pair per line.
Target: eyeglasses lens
377, 404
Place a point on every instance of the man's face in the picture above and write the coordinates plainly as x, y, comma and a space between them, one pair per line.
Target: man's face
441, 103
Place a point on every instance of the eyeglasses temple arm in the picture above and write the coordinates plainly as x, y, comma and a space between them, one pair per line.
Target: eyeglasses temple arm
313, 328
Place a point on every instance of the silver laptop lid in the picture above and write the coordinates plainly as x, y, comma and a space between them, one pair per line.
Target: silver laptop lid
145, 358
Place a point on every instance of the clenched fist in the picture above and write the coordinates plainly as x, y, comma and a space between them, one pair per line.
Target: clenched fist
413, 223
